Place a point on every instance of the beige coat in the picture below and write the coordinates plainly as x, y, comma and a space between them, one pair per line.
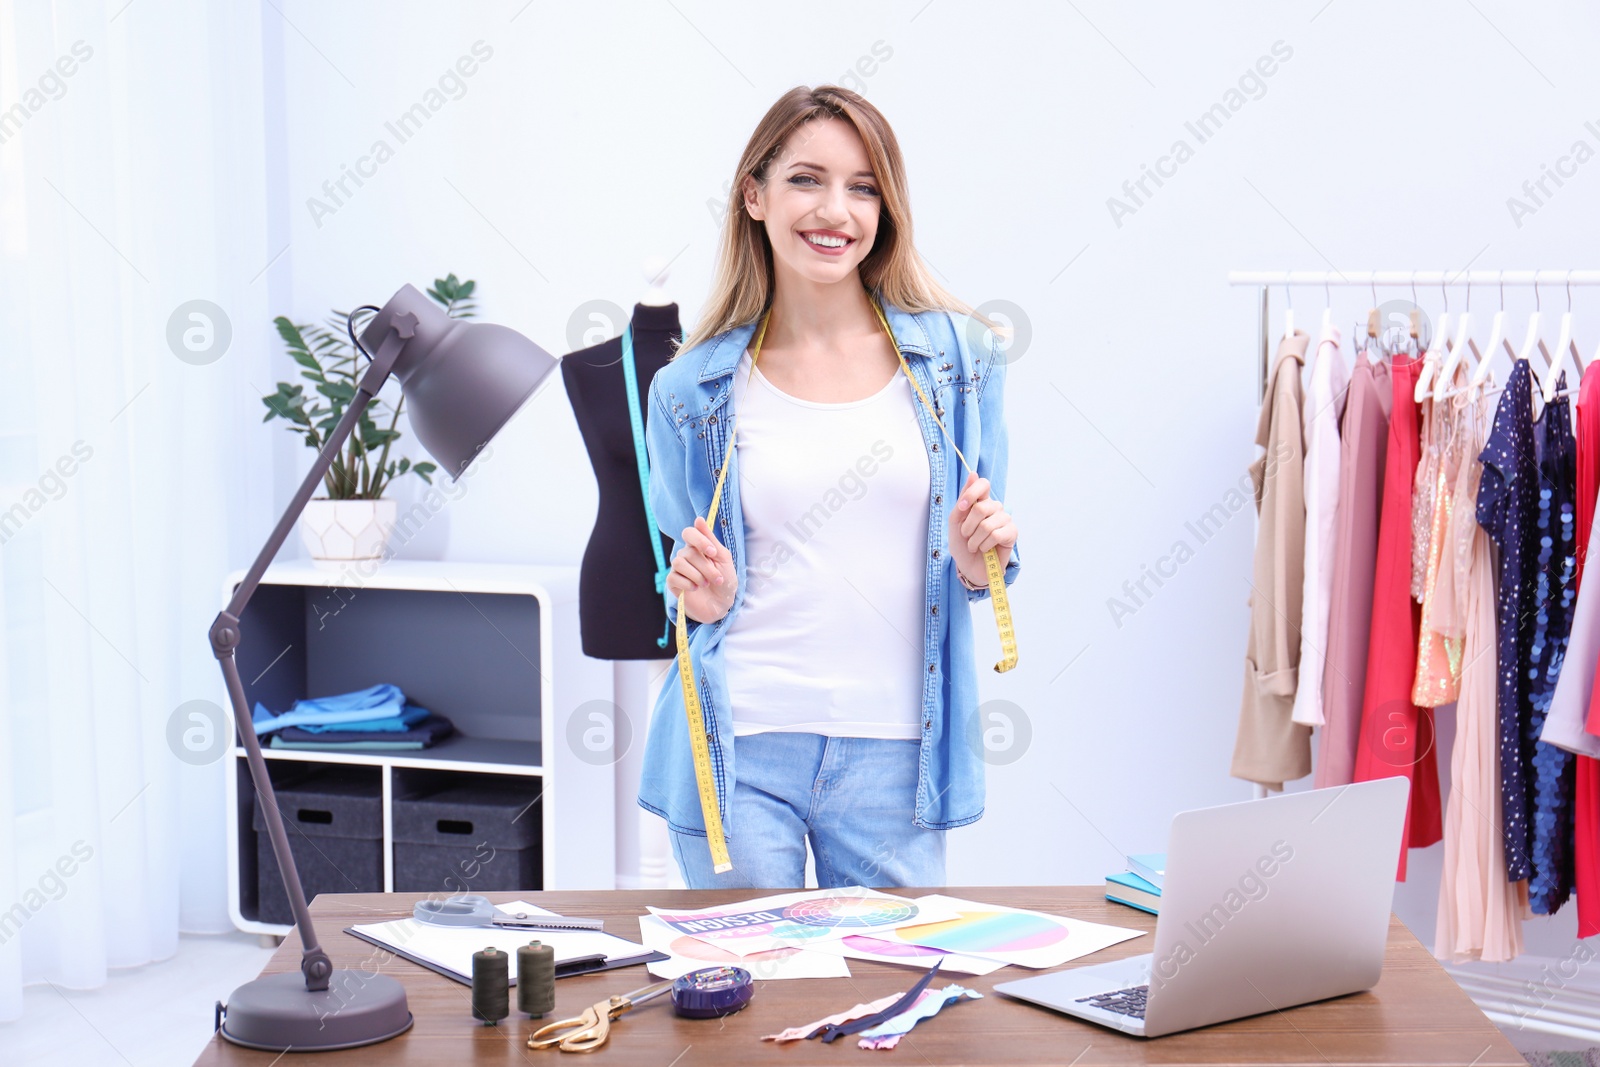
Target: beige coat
1271, 748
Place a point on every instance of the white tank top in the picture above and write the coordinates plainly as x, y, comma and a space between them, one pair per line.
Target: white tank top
828, 639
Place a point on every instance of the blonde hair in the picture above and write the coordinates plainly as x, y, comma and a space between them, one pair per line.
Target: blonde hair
741, 290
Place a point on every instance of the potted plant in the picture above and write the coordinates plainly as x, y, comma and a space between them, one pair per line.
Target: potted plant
354, 520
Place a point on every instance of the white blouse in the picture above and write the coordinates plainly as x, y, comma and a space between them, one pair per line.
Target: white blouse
1324, 405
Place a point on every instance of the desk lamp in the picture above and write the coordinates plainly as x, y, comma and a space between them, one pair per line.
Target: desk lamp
463, 382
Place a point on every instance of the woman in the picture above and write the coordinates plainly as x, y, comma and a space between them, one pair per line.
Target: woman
833, 660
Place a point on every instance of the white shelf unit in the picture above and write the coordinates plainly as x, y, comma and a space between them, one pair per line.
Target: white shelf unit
308, 632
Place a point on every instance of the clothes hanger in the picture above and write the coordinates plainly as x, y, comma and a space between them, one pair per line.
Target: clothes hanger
1437, 351
1565, 346
1372, 342
1545, 382
1314, 351
1464, 348
1393, 340
1378, 330
1406, 339
1497, 330
1372, 317
1532, 337
1416, 315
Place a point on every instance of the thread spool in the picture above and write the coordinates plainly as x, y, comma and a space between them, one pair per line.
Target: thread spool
491, 985
536, 979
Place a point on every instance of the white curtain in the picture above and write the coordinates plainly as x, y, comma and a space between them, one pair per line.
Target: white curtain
132, 182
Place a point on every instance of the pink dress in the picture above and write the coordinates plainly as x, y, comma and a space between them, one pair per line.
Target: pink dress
1363, 446
1480, 913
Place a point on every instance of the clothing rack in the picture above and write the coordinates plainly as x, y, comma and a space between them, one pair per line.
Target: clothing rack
1265, 279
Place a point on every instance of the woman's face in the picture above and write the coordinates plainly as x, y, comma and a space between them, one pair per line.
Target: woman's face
820, 202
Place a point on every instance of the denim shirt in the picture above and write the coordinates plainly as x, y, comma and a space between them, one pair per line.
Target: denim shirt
958, 363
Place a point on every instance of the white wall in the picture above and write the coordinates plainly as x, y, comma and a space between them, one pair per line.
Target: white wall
596, 135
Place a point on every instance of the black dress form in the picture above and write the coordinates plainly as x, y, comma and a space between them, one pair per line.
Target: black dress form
621, 615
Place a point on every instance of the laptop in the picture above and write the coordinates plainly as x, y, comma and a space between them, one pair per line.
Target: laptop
1265, 904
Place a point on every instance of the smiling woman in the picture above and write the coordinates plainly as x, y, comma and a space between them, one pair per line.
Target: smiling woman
828, 721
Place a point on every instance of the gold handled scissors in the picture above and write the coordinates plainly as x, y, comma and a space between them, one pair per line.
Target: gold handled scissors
587, 1032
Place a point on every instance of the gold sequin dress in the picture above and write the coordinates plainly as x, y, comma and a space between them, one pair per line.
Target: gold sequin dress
1447, 554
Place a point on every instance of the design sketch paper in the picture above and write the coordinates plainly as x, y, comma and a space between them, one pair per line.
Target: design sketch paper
791, 920
691, 954
1025, 938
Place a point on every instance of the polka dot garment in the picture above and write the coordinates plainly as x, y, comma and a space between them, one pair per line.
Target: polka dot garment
1508, 505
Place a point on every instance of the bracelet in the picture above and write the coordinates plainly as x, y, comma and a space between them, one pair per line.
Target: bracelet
963, 579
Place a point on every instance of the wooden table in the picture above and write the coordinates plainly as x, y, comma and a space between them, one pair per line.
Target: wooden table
1415, 1015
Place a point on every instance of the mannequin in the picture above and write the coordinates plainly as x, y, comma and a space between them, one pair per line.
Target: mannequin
621, 614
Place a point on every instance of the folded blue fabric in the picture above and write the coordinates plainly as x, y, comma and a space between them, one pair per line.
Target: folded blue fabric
411, 713
423, 733
376, 702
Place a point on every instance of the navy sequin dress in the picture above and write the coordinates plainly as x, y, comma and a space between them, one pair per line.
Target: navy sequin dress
1525, 504
1554, 771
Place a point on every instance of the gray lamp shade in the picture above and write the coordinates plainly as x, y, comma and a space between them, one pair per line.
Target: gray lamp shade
462, 380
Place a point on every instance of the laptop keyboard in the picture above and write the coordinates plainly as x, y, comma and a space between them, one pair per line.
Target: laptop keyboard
1129, 1001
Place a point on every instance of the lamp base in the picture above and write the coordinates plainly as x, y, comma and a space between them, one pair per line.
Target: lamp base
279, 1014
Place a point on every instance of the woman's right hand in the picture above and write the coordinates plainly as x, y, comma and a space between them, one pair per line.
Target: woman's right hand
702, 572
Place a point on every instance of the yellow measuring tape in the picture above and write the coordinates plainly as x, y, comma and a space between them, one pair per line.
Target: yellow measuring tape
698, 744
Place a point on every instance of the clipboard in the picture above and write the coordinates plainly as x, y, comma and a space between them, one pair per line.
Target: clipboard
477, 937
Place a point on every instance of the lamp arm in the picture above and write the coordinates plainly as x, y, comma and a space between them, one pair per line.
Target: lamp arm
225, 636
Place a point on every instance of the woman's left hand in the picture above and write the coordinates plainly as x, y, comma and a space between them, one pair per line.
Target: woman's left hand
979, 522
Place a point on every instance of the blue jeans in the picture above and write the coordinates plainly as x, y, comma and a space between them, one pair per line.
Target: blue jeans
855, 798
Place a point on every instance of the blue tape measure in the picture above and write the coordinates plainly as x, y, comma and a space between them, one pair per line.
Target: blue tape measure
711, 992
630, 377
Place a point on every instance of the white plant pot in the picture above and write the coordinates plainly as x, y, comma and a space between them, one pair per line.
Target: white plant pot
347, 529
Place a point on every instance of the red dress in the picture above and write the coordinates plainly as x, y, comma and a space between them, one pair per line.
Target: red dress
1586, 790
1397, 736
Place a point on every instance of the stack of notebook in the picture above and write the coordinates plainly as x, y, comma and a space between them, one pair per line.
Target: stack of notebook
1140, 885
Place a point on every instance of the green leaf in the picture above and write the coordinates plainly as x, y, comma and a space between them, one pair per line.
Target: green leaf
343, 392
290, 334
286, 403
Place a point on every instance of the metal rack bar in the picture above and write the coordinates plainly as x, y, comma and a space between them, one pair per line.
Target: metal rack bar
1420, 277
